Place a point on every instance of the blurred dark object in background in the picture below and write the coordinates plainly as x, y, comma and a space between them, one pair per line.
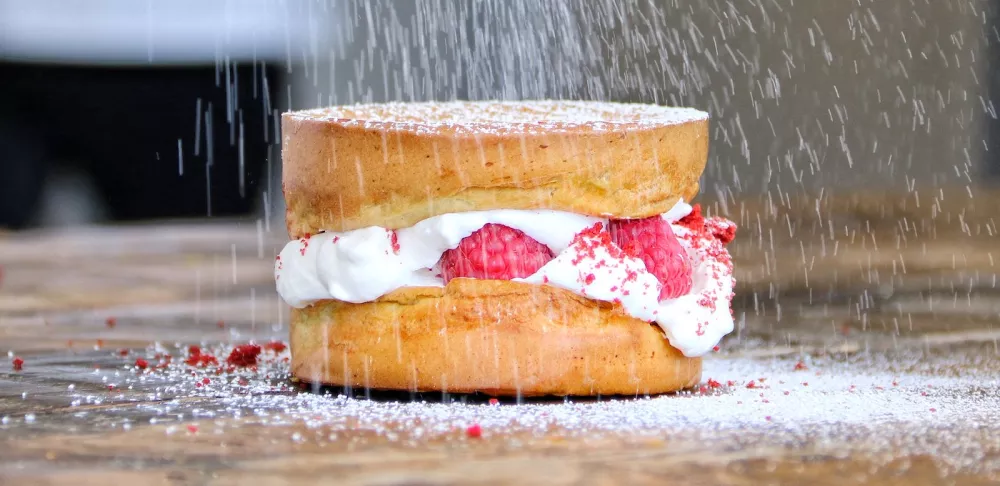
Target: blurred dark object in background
121, 126
22, 174
112, 109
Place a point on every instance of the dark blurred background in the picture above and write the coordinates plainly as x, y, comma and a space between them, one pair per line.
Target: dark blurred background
123, 110
126, 110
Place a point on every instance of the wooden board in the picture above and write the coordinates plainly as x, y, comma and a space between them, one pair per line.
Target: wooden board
866, 353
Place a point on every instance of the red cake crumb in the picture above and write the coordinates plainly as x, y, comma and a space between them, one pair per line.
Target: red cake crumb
712, 229
394, 241
17, 363
701, 328
141, 363
694, 221
164, 360
590, 239
474, 431
110, 322
244, 355
276, 346
723, 230
304, 241
201, 360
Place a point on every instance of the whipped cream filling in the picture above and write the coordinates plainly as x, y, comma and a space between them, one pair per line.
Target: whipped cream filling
364, 264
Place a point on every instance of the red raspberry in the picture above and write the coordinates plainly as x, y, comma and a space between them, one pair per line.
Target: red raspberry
652, 241
495, 252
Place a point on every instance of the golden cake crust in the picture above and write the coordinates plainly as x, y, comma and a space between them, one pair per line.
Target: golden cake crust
393, 165
497, 337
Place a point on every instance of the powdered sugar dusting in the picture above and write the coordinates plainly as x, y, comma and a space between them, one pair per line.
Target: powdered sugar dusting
919, 398
479, 117
835, 405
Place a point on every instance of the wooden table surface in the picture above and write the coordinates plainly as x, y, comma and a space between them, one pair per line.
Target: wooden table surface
866, 352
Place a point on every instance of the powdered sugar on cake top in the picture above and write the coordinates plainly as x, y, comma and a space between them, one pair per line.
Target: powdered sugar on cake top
495, 117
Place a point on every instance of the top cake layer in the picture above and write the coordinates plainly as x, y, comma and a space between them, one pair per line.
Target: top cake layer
395, 164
